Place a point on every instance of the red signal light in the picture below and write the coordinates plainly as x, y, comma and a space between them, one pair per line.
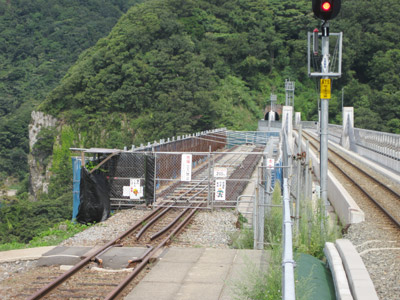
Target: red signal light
326, 6
326, 9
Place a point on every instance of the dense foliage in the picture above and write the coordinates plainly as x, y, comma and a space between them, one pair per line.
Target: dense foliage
22, 219
372, 62
39, 41
170, 67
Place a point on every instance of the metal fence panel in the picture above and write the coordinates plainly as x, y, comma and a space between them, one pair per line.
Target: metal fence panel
235, 173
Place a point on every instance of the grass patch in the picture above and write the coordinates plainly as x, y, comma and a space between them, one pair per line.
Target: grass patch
243, 239
259, 285
314, 230
50, 237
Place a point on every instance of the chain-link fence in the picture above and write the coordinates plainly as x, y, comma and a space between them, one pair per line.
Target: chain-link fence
184, 170
215, 179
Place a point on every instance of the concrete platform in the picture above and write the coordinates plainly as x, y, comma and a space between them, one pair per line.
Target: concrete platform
23, 254
199, 273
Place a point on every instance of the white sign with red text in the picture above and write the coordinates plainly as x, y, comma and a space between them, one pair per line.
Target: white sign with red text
270, 163
186, 167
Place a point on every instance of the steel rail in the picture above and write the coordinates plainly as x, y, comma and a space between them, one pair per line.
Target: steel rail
52, 285
166, 228
368, 195
152, 221
156, 218
393, 192
382, 208
144, 262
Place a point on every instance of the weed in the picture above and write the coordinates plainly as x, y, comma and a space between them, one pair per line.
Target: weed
314, 231
50, 237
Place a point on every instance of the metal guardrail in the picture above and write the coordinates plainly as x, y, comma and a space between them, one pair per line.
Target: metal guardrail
381, 147
288, 287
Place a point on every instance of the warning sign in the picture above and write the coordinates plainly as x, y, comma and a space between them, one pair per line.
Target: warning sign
270, 163
220, 190
325, 89
135, 190
186, 167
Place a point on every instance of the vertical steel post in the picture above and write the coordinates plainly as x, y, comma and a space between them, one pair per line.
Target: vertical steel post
288, 286
209, 180
256, 218
261, 211
155, 179
324, 116
298, 177
307, 172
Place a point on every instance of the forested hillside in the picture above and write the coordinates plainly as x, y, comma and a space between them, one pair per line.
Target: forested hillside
39, 41
170, 67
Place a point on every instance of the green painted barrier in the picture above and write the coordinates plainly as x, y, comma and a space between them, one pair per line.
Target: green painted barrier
314, 279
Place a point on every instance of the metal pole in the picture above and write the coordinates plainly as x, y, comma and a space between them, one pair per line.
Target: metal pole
307, 172
288, 286
261, 211
255, 216
298, 178
155, 179
342, 103
209, 179
324, 116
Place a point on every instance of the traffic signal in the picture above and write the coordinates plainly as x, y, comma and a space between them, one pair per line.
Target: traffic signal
326, 9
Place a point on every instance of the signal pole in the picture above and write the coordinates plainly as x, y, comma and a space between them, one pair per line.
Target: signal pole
324, 10
324, 112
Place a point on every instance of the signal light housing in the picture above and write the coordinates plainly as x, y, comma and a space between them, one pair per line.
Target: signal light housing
326, 9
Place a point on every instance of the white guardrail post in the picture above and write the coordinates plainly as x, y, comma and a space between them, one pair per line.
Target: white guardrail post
288, 291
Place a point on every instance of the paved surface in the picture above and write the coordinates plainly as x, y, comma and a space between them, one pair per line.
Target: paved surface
115, 258
23, 254
198, 274
180, 273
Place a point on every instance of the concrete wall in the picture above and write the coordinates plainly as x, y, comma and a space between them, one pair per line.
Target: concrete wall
345, 207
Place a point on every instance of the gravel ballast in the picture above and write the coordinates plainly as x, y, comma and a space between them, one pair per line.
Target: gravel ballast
207, 229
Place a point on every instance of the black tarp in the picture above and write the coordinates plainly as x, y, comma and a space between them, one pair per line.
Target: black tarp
94, 197
149, 179
124, 166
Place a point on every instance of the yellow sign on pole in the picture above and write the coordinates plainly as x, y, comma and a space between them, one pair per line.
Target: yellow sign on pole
325, 89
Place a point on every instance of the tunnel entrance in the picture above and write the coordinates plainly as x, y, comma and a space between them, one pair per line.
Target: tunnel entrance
276, 115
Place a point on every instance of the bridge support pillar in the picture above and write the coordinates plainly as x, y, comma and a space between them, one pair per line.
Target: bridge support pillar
287, 114
347, 140
297, 119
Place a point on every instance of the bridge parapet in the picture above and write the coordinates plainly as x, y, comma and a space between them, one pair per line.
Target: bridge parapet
381, 147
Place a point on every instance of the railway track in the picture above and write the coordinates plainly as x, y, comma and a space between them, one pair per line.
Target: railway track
155, 231
376, 199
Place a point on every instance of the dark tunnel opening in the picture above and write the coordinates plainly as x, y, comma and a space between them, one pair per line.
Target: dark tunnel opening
266, 117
